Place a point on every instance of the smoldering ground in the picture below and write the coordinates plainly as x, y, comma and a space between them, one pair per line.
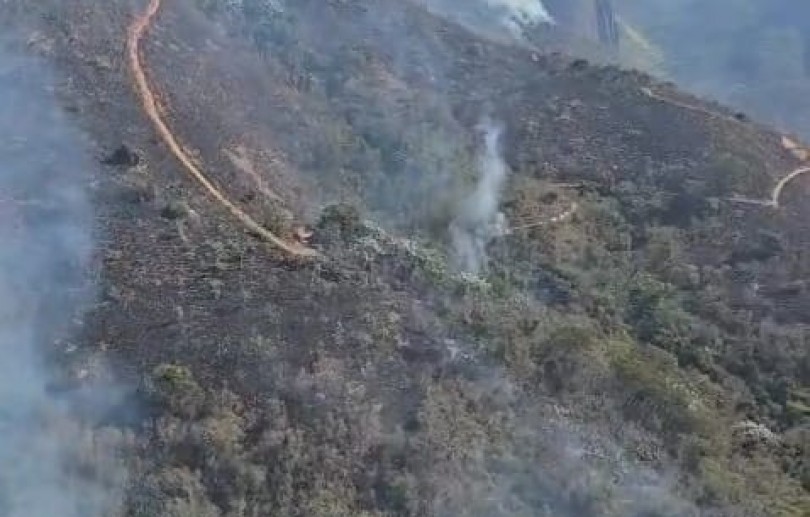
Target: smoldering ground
51, 462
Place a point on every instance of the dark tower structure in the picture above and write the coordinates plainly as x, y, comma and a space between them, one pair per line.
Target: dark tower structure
593, 19
606, 25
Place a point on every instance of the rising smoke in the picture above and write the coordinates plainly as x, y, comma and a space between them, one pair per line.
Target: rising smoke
479, 220
50, 461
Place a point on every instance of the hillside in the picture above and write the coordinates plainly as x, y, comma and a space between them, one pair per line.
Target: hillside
746, 53
635, 346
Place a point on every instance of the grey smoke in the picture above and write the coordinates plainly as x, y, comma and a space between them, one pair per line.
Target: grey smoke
479, 220
50, 461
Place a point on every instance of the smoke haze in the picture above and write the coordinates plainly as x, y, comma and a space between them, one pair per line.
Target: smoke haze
751, 54
45, 230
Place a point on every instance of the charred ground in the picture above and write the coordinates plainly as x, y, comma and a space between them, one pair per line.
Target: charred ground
653, 343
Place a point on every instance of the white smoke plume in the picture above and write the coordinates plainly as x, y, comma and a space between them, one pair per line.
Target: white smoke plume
498, 19
524, 11
51, 461
479, 220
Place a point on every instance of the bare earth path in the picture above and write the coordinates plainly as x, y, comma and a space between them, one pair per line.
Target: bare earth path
152, 108
776, 193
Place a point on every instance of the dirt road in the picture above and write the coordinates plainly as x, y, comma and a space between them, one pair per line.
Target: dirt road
151, 106
776, 193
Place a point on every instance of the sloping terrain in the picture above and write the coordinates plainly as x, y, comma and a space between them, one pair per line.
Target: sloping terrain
644, 354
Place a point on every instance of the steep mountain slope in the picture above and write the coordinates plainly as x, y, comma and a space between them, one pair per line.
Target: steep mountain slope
637, 347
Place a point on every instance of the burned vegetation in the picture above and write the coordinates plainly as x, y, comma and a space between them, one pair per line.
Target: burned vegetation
631, 342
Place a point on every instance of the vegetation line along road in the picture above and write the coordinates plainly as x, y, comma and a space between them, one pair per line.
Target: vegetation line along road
776, 193
137, 30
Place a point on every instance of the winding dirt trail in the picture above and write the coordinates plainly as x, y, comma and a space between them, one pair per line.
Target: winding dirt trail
151, 106
690, 107
776, 193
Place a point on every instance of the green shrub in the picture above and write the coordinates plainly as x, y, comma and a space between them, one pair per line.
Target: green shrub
659, 395
174, 388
